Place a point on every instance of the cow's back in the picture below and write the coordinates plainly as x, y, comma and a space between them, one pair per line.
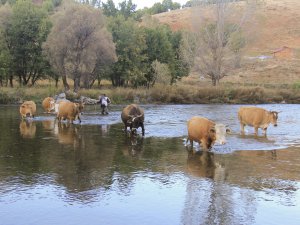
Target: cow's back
28, 105
251, 115
66, 109
198, 128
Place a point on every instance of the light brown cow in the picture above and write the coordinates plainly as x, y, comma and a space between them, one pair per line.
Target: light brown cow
70, 111
206, 132
48, 104
257, 118
28, 109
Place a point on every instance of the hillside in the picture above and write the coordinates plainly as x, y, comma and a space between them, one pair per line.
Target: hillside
277, 25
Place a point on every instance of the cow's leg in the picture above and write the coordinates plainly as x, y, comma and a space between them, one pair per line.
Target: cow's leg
256, 130
143, 129
242, 128
265, 131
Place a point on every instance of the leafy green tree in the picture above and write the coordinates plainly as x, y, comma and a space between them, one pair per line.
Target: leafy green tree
109, 8
5, 58
27, 31
130, 47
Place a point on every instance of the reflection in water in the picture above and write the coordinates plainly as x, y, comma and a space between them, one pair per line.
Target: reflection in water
27, 128
69, 134
203, 164
100, 173
134, 145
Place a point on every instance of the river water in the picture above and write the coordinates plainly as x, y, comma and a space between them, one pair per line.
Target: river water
93, 173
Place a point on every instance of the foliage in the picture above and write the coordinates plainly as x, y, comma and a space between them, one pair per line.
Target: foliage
79, 44
130, 45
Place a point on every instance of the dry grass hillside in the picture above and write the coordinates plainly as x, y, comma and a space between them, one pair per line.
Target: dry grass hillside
276, 29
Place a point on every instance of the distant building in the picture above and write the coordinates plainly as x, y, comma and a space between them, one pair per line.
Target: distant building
283, 53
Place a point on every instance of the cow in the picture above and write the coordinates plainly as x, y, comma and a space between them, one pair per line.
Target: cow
28, 109
133, 116
257, 118
48, 104
206, 132
70, 111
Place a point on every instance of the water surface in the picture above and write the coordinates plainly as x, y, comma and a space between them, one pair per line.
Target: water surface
92, 173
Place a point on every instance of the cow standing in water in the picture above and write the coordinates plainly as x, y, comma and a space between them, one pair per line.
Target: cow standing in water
28, 109
133, 116
48, 104
70, 111
206, 132
257, 118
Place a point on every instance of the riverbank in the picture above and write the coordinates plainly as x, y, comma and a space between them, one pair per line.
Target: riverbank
177, 94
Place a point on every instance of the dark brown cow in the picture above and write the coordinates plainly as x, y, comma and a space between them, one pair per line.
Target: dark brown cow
257, 118
133, 117
28, 109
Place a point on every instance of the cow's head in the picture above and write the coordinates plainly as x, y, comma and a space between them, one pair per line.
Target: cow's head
220, 132
273, 115
52, 104
134, 122
26, 110
79, 107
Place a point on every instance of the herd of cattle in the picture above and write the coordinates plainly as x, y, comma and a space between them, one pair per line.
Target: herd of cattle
200, 129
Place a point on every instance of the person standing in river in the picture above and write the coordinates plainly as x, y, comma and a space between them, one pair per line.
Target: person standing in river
104, 102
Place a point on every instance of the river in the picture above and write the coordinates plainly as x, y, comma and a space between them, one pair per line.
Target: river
93, 173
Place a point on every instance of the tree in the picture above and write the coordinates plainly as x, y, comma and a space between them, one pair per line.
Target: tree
27, 31
78, 44
130, 47
5, 58
219, 36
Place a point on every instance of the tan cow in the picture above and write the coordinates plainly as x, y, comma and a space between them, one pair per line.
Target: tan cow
70, 111
206, 132
257, 118
28, 109
48, 104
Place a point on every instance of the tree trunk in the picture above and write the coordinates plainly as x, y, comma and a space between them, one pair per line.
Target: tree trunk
76, 83
56, 81
65, 82
11, 84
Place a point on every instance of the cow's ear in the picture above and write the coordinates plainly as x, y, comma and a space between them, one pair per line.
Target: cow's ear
212, 130
228, 131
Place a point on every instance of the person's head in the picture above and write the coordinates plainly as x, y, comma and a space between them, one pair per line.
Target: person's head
104, 95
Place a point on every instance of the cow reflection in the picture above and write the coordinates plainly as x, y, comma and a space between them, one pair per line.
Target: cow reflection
134, 145
27, 129
203, 164
68, 134
48, 124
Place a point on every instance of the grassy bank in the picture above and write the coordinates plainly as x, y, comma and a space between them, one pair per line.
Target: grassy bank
179, 94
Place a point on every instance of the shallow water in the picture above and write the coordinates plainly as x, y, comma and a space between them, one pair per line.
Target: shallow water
92, 173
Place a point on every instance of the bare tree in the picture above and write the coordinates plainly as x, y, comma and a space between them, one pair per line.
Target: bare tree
219, 36
78, 43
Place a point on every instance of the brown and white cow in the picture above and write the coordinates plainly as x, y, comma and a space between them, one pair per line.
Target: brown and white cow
48, 104
133, 116
257, 118
206, 132
28, 109
70, 111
